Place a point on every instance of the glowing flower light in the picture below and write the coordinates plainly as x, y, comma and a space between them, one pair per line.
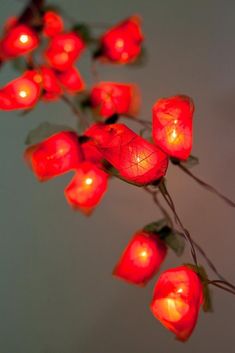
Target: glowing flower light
141, 259
122, 43
172, 125
136, 159
21, 93
63, 50
50, 84
71, 80
176, 302
87, 187
54, 156
18, 40
52, 24
108, 98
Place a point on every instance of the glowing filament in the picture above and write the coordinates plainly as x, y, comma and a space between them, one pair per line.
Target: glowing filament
88, 181
141, 254
119, 43
23, 94
171, 309
24, 38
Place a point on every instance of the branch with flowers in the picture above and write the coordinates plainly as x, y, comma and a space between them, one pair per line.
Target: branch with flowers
44, 43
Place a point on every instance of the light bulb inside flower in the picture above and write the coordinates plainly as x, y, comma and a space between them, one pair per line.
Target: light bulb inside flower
171, 309
141, 259
24, 38
172, 125
142, 255
119, 43
23, 94
88, 181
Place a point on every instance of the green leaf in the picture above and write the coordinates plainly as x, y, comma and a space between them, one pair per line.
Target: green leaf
191, 161
43, 131
207, 302
171, 237
155, 227
83, 30
175, 242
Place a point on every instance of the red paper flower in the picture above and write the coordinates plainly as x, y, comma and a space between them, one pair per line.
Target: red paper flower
177, 298
52, 24
136, 159
108, 98
172, 125
63, 50
54, 156
87, 187
122, 43
91, 153
21, 93
18, 40
141, 259
50, 84
71, 80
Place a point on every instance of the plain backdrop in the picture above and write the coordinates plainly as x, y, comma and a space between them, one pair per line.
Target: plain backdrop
57, 294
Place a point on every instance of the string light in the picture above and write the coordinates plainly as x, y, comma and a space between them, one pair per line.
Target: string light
141, 259
63, 50
54, 156
21, 93
122, 43
86, 188
109, 98
177, 298
18, 40
136, 159
172, 125
106, 149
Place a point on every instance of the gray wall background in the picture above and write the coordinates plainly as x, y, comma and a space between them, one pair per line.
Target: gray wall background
56, 291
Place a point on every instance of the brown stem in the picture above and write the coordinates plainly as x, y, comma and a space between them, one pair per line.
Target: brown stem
75, 110
94, 71
222, 282
186, 233
209, 262
31, 11
162, 209
206, 185
221, 286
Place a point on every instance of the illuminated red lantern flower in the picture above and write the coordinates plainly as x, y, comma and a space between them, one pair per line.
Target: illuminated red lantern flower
52, 23
122, 43
172, 125
109, 98
63, 50
91, 153
71, 80
18, 40
141, 259
54, 156
177, 298
21, 93
50, 84
87, 187
136, 159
